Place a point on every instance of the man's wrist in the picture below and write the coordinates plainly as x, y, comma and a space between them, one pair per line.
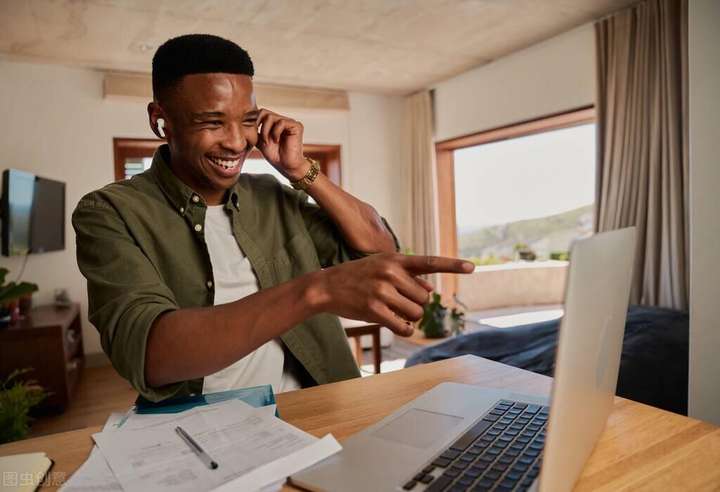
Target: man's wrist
315, 295
306, 180
299, 171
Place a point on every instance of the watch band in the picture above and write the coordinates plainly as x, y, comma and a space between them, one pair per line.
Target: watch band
310, 176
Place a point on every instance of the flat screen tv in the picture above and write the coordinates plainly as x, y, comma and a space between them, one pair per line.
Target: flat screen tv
32, 212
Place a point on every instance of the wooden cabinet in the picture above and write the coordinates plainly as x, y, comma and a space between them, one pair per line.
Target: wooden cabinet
49, 340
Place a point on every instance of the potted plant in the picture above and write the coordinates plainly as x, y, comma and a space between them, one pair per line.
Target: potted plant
10, 293
438, 321
457, 322
524, 252
16, 399
432, 323
560, 255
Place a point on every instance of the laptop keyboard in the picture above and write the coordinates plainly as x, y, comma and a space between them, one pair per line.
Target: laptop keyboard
502, 452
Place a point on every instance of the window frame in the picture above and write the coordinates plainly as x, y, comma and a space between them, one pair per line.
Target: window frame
445, 168
123, 148
327, 155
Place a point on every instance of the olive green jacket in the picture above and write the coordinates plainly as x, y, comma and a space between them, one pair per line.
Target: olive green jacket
140, 245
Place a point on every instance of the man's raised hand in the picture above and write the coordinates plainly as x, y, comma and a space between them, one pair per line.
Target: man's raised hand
280, 139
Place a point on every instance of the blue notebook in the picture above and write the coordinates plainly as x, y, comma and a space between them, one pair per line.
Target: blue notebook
257, 396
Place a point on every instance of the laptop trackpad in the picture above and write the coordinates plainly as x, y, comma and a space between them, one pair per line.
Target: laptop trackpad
418, 428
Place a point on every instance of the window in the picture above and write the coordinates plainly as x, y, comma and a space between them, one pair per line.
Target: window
523, 192
258, 165
327, 155
532, 195
133, 156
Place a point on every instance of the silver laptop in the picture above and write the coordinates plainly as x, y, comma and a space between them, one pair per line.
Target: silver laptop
462, 437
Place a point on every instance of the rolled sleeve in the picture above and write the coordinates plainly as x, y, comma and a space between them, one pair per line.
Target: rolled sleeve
125, 291
331, 246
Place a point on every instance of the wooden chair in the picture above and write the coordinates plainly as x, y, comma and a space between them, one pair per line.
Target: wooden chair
356, 330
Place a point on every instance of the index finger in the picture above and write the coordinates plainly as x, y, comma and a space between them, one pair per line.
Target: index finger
436, 264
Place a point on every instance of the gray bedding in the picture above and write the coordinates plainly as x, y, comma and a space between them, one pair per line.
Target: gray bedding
653, 367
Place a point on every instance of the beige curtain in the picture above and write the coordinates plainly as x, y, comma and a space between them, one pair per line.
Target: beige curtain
422, 174
642, 143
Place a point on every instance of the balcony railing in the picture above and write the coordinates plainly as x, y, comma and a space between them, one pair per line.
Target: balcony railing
518, 283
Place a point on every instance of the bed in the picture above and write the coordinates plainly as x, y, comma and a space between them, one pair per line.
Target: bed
653, 366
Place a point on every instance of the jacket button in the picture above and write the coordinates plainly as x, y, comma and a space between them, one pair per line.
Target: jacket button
209, 284
195, 198
198, 227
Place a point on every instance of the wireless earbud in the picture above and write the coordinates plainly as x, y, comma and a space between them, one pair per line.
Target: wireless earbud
160, 127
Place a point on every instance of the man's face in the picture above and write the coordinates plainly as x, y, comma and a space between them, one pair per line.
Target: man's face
211, 128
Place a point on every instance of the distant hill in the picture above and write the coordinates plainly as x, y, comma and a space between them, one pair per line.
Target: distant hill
543, 235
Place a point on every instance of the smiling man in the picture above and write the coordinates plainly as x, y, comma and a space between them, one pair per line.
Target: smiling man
202, 279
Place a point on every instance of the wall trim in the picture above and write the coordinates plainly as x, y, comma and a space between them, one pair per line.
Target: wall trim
136, 86
554, 121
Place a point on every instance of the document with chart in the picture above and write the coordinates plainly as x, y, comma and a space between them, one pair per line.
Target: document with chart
251, 447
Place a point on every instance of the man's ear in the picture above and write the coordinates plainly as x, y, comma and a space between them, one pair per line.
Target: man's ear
157, 120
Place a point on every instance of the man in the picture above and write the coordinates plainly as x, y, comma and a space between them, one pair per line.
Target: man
203, 279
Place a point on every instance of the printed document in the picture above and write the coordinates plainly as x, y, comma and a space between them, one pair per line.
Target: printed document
252, 447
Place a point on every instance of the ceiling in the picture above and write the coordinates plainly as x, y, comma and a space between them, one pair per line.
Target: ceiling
385, 46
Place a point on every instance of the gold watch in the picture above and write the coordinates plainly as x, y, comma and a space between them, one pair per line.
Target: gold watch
310, 176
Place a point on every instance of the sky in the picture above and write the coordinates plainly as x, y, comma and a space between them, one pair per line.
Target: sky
525, 178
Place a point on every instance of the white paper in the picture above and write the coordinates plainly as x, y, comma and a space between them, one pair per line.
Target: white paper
274, 487
95, 474
238, 437
267, 474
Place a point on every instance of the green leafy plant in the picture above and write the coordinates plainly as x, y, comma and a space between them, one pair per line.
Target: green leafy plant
433, 320
560, 255
433, 323
13, 290
16, 399
10, 292
457, 321
524, 252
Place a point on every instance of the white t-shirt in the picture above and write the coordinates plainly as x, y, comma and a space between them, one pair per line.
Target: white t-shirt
235, 279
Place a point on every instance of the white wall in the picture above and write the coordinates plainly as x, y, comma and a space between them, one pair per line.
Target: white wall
369, 135
704, 92
376, 171
549, 77
56, 124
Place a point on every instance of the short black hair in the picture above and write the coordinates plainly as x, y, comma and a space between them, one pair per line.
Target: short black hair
196, 53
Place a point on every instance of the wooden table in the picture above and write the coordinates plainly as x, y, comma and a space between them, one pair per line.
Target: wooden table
642, 448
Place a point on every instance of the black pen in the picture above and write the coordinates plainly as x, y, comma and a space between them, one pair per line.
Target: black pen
195, 447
